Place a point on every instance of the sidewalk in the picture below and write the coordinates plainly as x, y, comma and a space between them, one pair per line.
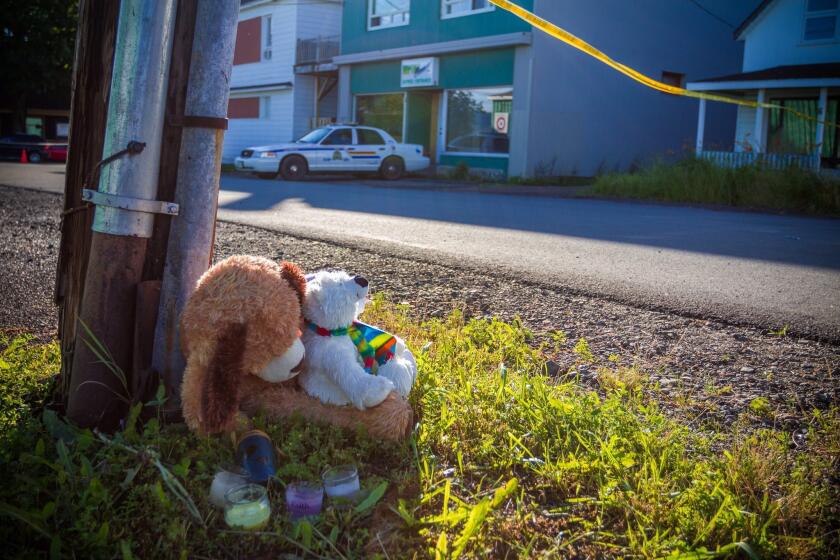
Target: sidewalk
419, 182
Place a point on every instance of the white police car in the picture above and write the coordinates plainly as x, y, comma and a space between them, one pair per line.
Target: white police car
335, 148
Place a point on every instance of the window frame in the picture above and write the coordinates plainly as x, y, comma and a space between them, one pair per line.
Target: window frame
266, 38
368, 129
444, 3
370, 15
265, 108
337, 130
806, 15
444, 123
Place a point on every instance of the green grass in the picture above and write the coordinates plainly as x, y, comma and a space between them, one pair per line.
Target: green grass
698, 181
504, 462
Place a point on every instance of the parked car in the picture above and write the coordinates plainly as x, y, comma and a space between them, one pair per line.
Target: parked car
335, 148
480, 142
12, 146
56, 152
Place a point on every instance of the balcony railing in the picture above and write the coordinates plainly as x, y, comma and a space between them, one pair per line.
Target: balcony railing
768, 161
316, 51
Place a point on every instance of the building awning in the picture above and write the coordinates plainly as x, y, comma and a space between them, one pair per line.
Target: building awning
792, 76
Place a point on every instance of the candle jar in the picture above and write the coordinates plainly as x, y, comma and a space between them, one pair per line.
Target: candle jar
225, 479
247, 507
255, 452
341, 482
304, 499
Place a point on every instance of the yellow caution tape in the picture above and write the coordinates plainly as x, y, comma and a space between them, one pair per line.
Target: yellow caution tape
580, 44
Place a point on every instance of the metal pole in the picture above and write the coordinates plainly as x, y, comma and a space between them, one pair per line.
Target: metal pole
99, 391
190, 245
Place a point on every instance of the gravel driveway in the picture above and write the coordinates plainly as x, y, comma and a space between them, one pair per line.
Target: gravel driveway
708, 370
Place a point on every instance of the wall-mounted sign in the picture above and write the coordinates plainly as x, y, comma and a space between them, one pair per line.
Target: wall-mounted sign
419, 72
500, 122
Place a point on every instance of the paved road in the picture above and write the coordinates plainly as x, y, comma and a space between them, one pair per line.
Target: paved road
748, 267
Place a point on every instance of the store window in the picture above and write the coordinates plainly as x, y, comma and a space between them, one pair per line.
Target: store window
456, 8
821, 20
478, 120
382, 111
388, 13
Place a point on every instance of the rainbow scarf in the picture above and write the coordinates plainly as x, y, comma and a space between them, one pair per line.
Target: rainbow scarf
375, 346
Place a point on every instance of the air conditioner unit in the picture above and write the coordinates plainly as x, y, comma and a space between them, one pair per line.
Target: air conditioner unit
267, 54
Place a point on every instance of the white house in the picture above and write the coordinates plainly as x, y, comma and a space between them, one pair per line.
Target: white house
792, 59
283, 82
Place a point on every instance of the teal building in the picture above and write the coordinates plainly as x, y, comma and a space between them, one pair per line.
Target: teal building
440, 73
475, 85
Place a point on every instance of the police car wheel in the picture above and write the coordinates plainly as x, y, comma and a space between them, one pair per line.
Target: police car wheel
392, 168
293, 168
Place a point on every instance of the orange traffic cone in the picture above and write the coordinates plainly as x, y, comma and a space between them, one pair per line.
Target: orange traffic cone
23, 158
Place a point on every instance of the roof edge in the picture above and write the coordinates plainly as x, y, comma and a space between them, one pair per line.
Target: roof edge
751, 19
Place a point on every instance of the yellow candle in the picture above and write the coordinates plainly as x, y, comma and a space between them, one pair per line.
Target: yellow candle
247, 507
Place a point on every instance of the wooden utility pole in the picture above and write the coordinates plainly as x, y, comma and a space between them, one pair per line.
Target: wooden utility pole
90, 88
111, 267
99, 388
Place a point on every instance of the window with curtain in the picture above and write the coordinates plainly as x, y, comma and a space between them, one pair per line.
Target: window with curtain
788, 133
388, 13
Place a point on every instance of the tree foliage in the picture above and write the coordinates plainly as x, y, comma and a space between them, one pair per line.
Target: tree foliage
36, 49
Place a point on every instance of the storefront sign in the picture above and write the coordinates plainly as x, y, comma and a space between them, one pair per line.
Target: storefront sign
419, 72
500, 122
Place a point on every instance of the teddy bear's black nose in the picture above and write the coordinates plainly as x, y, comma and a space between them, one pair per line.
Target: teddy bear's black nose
361, 281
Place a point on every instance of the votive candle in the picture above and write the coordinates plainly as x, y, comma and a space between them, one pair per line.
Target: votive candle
247, 507
225, 479
341, 481
304, 499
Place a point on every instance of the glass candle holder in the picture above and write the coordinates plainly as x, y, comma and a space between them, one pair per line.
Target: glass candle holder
227, 478
247, 507
255, 452
304, 499
341, 482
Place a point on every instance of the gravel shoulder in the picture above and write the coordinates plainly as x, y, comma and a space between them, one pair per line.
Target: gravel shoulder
709, 370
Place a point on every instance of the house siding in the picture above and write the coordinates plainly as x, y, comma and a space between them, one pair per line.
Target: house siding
246, 132
289, 109
586, 118
775, 38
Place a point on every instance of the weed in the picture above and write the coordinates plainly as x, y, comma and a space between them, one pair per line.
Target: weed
504, 462
583, 351
780, 332
699, 181
760, 406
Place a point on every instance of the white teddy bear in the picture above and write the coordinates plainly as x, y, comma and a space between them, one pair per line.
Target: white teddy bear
348, 362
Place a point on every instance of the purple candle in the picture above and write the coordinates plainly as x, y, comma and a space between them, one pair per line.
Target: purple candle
304, 499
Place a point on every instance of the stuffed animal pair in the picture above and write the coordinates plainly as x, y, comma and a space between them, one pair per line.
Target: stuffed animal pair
241, 334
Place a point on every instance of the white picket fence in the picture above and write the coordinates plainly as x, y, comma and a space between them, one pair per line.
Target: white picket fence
768, 161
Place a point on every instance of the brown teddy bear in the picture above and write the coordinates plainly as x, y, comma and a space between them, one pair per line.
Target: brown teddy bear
240, 334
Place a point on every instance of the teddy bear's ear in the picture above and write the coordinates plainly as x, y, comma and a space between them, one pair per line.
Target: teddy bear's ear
294, 276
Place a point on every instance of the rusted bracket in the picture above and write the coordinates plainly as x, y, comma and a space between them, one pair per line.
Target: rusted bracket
195, 121
131, 204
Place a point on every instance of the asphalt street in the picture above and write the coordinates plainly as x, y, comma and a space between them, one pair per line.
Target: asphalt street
754, 268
